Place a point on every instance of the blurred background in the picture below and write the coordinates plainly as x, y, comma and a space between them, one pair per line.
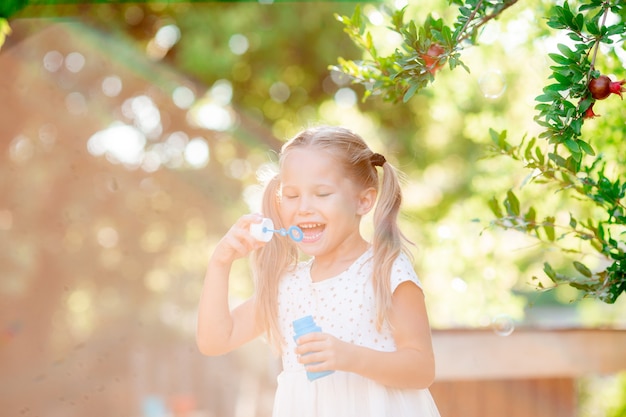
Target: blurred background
132, 136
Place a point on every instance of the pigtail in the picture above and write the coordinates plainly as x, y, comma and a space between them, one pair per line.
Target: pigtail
269, 263
388, 241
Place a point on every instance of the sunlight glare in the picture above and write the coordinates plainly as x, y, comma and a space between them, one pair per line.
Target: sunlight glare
197, 153
211, 116
221, 92
375, 17
458, 284
399, 4
120, 143
167, 36
145, 114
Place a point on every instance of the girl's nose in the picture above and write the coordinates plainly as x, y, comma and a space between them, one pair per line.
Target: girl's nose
305, 205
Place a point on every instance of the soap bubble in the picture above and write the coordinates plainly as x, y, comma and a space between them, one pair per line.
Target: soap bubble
492, 84
503, 325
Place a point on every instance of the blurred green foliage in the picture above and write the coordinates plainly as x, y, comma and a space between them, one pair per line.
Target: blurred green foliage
563, 108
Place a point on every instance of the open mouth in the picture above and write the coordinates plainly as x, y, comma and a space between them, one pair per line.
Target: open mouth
312, 231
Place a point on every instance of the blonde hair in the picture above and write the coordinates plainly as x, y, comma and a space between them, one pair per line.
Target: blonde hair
279, 255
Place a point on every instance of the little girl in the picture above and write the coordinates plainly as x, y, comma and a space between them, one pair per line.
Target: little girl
364, 295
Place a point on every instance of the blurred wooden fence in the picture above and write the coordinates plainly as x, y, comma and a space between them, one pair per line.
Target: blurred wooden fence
531, 372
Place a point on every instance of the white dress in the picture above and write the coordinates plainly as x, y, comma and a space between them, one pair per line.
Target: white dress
344, 307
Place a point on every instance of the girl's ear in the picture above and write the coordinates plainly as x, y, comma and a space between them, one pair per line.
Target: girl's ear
367, 199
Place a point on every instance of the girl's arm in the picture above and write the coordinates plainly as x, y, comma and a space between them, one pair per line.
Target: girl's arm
412, 365
220, 330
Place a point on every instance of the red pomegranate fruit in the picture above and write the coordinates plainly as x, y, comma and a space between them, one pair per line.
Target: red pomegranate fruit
602, 87
431, 56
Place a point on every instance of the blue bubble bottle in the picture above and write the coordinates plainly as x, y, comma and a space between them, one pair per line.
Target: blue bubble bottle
301, 327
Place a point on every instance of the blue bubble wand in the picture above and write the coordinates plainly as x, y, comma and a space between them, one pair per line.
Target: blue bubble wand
264, 231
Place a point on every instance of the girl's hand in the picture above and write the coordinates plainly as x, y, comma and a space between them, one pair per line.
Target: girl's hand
323, 352
237, 242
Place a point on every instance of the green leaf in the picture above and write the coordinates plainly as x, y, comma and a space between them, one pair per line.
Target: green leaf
586, 147
540, 157
580, 22
558, 159
556, 87
356, 20
410, 92
529, 148
560, 59
548, 227
572, 145
581, 286
530, 218
547, 268
511, 203
582, 268
571, 55
495, 207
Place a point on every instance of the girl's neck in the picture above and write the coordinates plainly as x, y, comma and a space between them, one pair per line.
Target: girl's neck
333, 264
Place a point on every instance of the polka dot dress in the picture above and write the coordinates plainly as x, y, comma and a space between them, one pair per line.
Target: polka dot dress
343, 306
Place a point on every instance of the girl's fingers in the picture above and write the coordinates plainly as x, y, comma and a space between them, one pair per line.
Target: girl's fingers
238, 242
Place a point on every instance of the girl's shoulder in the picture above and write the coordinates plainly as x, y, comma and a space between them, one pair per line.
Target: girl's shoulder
402, 271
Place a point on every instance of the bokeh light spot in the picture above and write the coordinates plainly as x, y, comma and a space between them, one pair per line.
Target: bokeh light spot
222, 92
133, 15
238, 44
197, 153
107, 237
79, 301
112, 86
21, 149
458, 284
157, 280
279, 91
120, 143
76, 103
183, 97
154, 238
74, 62
48, 135
53, 61
167, 36
345, 97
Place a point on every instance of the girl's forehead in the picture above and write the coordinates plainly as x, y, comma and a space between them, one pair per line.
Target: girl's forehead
309, 158
310, 165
